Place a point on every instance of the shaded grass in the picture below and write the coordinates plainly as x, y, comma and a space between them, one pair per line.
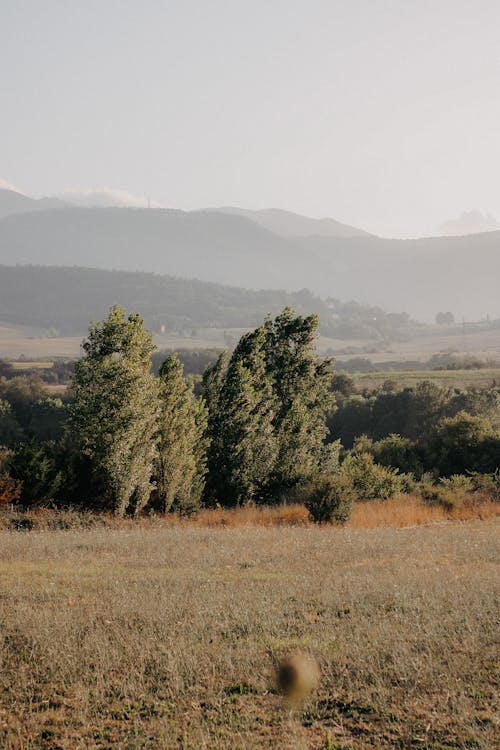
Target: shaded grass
167, 637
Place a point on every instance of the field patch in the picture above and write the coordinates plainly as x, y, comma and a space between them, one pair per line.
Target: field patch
168, 637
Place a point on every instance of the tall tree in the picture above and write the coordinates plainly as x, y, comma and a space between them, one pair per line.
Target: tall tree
114, 410
180, 466
303, 394
267, 412
244, 449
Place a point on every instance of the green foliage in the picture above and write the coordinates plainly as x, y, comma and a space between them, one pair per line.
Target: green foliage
330, 498
243, 445
464, 443
113, 415
410, 412
370, 480
10, 430
22, 393
48, 419
457, 483
36, 467
302, 390
267, 409
399, 452
180, 465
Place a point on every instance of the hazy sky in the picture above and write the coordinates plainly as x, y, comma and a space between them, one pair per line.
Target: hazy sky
384, 114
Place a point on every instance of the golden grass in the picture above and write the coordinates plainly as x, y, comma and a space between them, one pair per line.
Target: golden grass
406, 510
400, 512
410, 510
154, 638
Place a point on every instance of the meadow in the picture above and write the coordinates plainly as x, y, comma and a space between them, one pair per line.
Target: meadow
147, 636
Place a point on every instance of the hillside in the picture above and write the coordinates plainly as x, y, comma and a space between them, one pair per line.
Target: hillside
419, 276
12, 203
65, 299
288, 224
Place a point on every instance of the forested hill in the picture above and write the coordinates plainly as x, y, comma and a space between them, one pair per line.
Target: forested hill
66, 298
421, 276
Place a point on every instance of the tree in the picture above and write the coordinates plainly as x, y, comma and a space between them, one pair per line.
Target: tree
302, 387
10, 431
464, 443
445, 318
113, 416
267, 413
35, 467
180, 465
243, 448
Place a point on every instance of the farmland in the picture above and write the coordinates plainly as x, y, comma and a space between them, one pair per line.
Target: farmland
160, 637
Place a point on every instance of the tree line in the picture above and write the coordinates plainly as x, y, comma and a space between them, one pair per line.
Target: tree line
270, 422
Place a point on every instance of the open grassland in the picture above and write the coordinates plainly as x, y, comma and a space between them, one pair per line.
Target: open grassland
167, 637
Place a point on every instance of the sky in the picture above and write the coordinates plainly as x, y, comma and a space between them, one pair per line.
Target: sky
384, 114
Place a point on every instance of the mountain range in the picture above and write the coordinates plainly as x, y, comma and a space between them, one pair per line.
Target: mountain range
239, 248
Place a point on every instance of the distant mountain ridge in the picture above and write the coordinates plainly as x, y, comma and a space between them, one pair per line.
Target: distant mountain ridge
12, 203
288, 224
421, 277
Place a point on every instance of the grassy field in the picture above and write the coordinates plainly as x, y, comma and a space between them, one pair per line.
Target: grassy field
147, 638
478, 378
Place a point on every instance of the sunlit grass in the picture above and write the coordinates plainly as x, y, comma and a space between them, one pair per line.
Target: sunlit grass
168, 636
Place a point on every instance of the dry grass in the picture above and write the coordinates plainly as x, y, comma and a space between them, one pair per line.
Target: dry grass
158, 638
410, 510
406, 510
400, 512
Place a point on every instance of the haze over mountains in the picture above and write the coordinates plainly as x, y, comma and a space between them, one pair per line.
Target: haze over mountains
261, 250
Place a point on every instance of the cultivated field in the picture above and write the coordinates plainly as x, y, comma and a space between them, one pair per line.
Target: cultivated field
142, 637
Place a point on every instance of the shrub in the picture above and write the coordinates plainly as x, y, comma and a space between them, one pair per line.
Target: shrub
370, 480
331, 498
450, 493
457, 483
398, 452
487, 483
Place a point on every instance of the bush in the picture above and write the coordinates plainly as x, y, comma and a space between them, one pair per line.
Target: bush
450, 493
398, 452
457, 483
370, 480
331, 498
488, 484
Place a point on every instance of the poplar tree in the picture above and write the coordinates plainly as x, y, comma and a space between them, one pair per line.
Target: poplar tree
181, 462
267, 413
114, 410
244, 452
303, 395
